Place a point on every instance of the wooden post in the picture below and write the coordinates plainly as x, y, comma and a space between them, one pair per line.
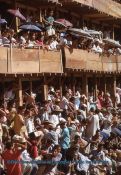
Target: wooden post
40, 16
105, 86
30, 87
45, 88
20, 96
85, 84
11, 55
73, 85
113, 32
114, 89
60, 85
95, 89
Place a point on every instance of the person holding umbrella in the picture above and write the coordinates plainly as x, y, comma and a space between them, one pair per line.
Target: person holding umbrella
49, 24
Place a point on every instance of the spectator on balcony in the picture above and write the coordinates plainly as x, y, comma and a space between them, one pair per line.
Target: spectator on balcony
32, 41
5, 40
49, 24
12, 38
96, 48
53, 44
24, 39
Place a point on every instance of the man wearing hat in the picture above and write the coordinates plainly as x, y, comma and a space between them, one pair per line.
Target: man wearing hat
55, 115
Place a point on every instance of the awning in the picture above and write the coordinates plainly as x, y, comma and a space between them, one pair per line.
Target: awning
108, 7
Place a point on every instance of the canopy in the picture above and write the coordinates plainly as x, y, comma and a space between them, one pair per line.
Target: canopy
79, 35
30, 27
94, 32
79, 31
17, 14
3, 21
112, 42
63, 22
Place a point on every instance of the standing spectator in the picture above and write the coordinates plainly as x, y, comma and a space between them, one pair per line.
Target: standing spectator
49, 24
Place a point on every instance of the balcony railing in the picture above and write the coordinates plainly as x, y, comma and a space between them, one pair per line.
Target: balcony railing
81, 59
14, 60
17, 61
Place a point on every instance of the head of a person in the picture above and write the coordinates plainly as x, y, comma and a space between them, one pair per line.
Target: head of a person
21, 110
33, 36
97, 111
100, 147
62, 124
77, 138
92, 110
51, 13
98, 133
9, 145
56, 150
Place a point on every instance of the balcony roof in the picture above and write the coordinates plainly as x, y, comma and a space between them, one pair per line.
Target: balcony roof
108, 7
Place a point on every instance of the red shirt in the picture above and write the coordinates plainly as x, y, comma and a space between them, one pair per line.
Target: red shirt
12, 168
34, 149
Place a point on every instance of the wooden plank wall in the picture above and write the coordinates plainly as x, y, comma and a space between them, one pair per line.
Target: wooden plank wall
29, 61
39, 61
81, 59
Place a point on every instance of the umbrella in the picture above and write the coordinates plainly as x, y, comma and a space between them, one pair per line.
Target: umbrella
112, 42
3, 21
33, 23
79, 32
17, 14
79, 35
30, 27
63, 22
94, 32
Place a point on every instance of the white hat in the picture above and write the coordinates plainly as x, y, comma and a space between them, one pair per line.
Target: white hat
38, 133
33, 95
19, 138
77, 121
62, 120
84, 105
49, 98
16, 137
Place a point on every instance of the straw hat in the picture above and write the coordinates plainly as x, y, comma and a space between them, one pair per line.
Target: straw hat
38, 133
57, 109
19, 139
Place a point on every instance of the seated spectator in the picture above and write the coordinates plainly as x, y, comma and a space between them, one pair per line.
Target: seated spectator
23, 39
5, 40
32, 41
96, 48
53, 44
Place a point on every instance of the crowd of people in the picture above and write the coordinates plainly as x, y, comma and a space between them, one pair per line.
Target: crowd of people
63, 135
52, 37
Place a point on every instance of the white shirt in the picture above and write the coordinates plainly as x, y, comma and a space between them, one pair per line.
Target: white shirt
84, 163
117, 96
53, 45
54, 119
30, 124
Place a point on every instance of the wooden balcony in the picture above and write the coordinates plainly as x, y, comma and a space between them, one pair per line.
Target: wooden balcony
13, 61
83, 60
27, 61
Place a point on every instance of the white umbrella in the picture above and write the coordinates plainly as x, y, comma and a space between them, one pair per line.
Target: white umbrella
79, 31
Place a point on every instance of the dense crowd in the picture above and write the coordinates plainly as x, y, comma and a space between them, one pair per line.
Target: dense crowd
53, 37
68, 134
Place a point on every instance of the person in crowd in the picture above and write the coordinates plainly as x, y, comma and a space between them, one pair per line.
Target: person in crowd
49, 24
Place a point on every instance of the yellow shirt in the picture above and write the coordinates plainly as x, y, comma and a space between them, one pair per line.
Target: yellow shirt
18, 123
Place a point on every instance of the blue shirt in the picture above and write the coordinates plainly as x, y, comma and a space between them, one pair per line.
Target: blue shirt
65, 138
